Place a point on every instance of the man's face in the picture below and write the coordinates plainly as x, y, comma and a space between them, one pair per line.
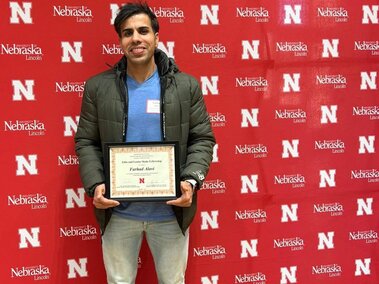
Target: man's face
138, 40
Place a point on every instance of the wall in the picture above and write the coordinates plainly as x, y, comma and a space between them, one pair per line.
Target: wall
292, 91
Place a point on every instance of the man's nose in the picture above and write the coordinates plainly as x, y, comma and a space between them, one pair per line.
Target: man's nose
136, 36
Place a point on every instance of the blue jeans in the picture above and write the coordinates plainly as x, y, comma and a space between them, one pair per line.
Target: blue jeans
122, 242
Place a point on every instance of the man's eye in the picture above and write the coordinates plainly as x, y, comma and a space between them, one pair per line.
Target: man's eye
128, 33
143, 31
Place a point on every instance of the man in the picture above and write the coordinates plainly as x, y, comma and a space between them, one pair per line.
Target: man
144, 97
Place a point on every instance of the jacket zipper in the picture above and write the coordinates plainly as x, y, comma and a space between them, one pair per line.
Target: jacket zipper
122, 87
163, 115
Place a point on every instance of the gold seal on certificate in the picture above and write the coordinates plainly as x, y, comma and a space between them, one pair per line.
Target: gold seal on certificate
142, 171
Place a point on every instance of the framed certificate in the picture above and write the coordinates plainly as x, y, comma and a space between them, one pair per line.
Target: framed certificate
143, 171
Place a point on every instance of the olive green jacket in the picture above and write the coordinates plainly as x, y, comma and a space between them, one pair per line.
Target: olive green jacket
104, 116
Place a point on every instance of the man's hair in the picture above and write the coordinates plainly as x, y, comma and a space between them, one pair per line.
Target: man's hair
133, 8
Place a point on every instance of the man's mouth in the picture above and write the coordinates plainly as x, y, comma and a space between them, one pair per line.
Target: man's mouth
137, 50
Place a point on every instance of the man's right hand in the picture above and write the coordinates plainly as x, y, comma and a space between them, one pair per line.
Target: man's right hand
99, 201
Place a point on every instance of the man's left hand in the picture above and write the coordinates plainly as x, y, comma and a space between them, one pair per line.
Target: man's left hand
186, 199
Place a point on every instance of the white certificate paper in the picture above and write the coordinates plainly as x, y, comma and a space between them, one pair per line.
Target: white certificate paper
143, 171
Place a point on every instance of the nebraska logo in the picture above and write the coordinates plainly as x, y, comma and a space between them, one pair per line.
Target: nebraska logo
112, 49
368, 236
332, 270
337, 81
31, 51
260, 14
253, 278
257, 84
336, 146
371, 175
217, 50
335, 209
298, 48
70, 87
31, 127
339, 14
293, 243
87, 232
217, 119
36, 201
296, 180
70, 160
216, 186
257, 150
257, 215
40, 272
371, 111
174, 14
81, 13
297, 115
372, 46
215, 252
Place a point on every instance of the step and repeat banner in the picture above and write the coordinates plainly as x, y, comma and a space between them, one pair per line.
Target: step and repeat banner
291, 87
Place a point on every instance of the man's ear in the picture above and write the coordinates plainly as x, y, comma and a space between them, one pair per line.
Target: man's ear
156, 39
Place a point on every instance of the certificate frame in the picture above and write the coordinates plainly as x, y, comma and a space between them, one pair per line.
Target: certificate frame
142, 171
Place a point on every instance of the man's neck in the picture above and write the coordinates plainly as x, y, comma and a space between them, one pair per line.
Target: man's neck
141, 73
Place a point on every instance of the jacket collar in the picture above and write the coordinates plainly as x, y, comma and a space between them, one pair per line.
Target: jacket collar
166, 66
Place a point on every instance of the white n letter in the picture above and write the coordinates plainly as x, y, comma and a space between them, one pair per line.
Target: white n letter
250, 50
26, 237
249, 117
207, 15
329, 113
288, 213
330, 48
73, 198
23, 164
361, 267
114, 10
249, 184
291, 81
368, 81
215, 158
205, 280
26, 89
365, 206
70, 125
366, 144
325, 241
168, 48
290, 148
208, 220
249, 248
370, 13
293, 14
74, 268
23, 13
207, 85
72, 52
327, 178
287, 275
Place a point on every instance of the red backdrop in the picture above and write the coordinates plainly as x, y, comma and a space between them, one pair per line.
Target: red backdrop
292, 91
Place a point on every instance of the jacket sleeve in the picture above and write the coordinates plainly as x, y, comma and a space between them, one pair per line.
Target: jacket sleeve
200, 140
87, 142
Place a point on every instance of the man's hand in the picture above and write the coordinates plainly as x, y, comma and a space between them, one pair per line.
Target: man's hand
186, 199
100, 201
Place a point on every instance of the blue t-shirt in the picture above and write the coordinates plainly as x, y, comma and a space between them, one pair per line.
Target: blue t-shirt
144, 125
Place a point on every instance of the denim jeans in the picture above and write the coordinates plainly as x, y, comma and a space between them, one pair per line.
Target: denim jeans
122, 242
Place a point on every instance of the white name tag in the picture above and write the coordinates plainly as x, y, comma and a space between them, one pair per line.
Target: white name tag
153, 106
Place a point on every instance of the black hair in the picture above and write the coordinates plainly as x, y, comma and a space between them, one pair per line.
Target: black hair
131, 9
